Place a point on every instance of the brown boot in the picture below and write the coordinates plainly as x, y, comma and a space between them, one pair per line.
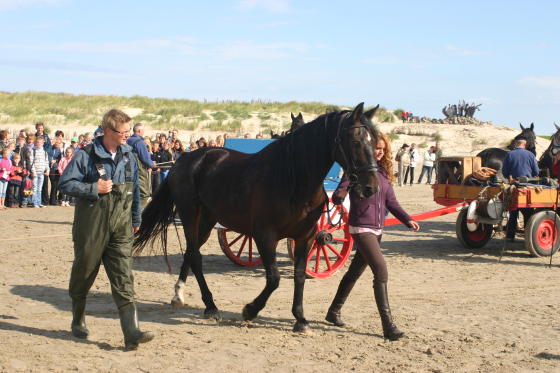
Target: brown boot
390, 330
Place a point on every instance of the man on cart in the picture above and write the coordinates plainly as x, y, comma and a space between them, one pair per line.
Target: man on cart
519, 162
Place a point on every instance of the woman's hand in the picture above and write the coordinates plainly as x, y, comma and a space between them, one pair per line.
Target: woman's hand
415, 226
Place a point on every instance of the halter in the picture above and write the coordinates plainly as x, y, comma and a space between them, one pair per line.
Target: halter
349, 165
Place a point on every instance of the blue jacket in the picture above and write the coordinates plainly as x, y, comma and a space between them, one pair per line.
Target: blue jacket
140, 148
520, 162
80, 176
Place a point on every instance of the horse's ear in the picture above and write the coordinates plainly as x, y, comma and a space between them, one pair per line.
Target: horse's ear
557, 128
371, 112
520, 125
300, 116
292, 115
532, 126
358, 112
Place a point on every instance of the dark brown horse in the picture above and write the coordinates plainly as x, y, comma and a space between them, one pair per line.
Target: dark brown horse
494, 157
270, 195
297, 122
546, 161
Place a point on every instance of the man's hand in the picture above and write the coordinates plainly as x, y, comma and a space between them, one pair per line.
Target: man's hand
135, 229
104, 186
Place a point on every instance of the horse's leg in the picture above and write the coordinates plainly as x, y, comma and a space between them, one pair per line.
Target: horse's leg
195, 260
190, 229
303, 245
267, 251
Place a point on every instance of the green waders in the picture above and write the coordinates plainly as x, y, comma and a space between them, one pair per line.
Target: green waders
102, 232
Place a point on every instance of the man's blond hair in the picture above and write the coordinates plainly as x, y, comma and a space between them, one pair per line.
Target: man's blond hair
113, 118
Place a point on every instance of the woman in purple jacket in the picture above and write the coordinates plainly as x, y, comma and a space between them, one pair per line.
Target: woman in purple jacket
366, 220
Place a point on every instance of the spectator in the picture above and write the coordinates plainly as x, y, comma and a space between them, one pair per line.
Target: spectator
165, 159
178, 149
26, 159
410, 169
136, 141
3, 140
212, 143
39, 169
54, 176
74, 144
68, 154
14, 184
5, 171
193, 146
40, 127
220, 141
429, 158
403, 161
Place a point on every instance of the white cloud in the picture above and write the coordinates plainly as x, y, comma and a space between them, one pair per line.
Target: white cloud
277, 6
249, 50
460, 51
550, 82
13, 4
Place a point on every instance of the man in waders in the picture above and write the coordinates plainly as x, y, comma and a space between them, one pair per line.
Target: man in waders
104, 179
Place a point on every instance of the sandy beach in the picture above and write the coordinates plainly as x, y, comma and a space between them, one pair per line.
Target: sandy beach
463, 311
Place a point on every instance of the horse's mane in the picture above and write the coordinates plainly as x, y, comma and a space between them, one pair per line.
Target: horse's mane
302, 157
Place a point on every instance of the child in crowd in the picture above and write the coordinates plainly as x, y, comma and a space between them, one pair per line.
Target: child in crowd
39, 169
68, 154
14, 184
5, 170
54, 176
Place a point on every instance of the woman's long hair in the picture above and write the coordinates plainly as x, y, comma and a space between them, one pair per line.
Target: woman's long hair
387, 161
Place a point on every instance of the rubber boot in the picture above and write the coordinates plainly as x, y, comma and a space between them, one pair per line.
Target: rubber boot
390, 330
129, 324
79, 328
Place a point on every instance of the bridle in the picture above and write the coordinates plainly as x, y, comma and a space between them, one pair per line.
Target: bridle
349, 166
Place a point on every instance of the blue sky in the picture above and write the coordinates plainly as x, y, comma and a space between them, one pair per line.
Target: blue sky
416, 55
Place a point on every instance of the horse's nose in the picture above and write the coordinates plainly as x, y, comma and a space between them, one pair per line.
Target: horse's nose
369, 191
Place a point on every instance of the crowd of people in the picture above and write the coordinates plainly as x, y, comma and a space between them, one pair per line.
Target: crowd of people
407, 158
31, 163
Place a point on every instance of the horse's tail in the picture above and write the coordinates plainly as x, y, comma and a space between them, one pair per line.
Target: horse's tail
156, 217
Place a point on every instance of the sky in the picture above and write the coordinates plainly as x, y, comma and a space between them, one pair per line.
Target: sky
414, 55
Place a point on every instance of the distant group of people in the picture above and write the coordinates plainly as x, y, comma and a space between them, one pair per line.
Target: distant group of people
31, 163
407, 158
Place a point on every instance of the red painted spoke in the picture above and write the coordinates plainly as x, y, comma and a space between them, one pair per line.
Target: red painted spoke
317, 259
242, 246
326, 258
311, 252
251, 250
334, 251
339, 239
236, 239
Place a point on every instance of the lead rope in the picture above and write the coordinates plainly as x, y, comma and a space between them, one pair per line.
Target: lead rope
328, 212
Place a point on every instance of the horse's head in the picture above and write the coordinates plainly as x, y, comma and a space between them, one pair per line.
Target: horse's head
355, 140
297, 122
528, 134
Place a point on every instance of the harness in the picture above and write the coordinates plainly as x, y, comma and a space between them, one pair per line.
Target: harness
349, 165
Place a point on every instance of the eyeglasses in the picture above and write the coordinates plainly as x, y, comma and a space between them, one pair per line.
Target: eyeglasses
122, 133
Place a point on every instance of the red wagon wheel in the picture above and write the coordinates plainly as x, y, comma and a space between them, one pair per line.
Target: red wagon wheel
332, 245
541, 233
472, 240
239, 248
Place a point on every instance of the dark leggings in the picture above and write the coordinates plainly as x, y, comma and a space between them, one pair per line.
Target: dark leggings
368, 253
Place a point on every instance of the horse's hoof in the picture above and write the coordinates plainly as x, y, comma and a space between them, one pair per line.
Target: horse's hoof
248, 314
176, 303
212, 314
302, 327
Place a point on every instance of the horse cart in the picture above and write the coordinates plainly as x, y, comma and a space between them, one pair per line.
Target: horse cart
486, 208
